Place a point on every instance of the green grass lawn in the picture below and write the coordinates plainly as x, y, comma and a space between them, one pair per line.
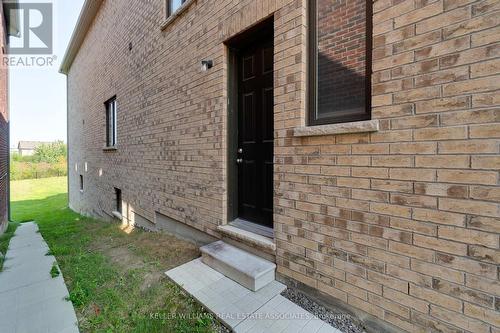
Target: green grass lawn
33, 198
5, 239
115, 279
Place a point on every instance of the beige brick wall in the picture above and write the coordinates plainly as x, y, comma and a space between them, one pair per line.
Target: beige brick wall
171, 116
402, 223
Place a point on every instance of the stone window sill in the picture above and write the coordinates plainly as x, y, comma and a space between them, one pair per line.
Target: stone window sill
342, 128
176, 14
110, 148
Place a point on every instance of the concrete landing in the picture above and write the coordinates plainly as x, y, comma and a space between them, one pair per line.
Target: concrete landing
242, 310
30, 299
248, 270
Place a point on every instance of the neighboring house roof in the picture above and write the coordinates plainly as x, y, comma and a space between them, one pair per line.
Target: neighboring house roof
30, 145
87, 15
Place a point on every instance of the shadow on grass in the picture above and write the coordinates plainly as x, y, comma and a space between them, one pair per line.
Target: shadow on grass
115, 279
41, 210
5, 240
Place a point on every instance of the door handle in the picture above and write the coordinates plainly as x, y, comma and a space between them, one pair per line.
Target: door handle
239, 160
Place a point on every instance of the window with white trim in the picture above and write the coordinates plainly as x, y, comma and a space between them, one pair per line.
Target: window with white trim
173, 6
111, 110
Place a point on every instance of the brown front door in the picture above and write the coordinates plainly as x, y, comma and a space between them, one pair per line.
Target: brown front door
256, 131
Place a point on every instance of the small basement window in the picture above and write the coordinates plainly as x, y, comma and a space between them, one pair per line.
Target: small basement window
118, 198
173, 6
81, 183
111, 123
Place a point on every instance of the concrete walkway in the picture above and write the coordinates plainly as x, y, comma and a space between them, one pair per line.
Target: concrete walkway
30, 299
245, 311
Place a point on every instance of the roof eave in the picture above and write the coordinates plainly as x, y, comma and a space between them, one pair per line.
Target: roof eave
87, 15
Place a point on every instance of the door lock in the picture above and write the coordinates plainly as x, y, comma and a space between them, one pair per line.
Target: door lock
240, 150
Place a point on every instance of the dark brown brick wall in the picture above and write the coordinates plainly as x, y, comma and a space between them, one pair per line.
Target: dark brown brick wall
4, 134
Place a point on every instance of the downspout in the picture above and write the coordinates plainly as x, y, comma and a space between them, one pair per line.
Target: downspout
7, 104
9, 217
67, 140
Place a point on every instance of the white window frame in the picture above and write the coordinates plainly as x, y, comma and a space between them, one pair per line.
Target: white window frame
170, 11
111, 110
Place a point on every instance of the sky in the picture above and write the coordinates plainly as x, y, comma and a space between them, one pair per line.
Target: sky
37, 97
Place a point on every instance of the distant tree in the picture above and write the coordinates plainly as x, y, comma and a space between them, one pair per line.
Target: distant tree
51, 152
15, 156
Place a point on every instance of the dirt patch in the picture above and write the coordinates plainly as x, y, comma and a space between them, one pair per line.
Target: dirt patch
151, 253
124, 258
151, 279
166, 249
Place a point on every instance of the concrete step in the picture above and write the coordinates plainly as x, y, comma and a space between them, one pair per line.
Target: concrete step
250, 271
